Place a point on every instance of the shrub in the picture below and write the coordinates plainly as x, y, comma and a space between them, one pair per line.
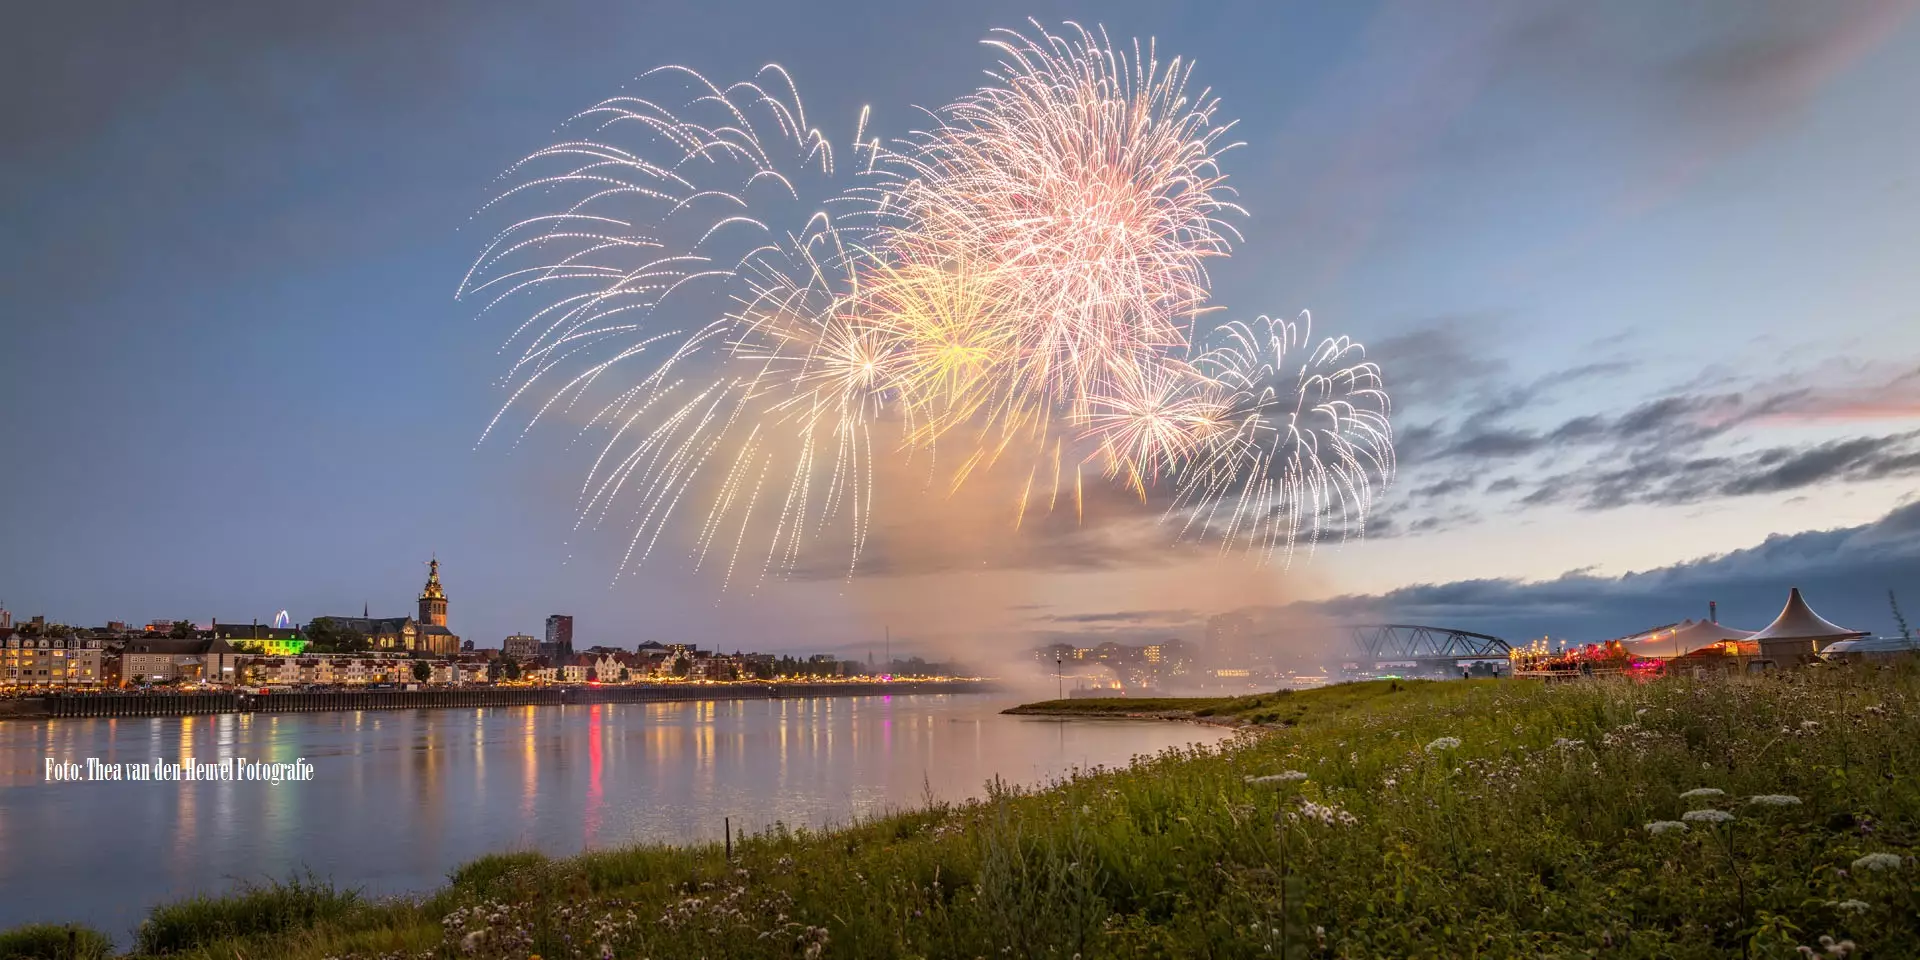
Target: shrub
46, 941
301, 901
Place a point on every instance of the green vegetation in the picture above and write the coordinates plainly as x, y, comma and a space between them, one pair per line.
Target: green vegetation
1747, 817
45, 941
1282, 708
328, 635
250, 912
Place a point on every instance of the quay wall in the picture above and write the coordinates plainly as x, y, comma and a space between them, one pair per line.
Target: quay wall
184, 704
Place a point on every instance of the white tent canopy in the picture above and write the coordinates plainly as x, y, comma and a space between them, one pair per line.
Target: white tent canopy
1867, 646
1798, 622
1683, 638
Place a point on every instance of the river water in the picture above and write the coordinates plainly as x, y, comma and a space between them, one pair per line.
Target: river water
397, 799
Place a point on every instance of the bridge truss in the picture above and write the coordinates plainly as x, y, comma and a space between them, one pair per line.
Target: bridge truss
1407, 641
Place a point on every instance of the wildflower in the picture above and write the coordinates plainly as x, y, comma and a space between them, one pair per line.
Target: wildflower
1328, 814
1706, 816
1829, 948
1443, 743
1850, 906
1703, 793
1562, 743
1659, 827
1774, 800
471, 942
1878, 861
1285, 776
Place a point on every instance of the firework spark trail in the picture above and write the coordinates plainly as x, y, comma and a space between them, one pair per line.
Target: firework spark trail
1020, 281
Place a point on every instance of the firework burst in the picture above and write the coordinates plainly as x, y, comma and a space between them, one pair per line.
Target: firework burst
761, 328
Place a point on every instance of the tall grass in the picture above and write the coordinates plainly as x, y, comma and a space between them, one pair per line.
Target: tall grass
272, 907
1458, 819
46, 941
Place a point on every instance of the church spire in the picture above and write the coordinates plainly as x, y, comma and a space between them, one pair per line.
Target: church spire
433, 599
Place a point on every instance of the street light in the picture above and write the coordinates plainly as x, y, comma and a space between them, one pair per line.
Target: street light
1059, 685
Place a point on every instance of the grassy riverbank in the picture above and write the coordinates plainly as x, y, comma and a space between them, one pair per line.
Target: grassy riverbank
1456, 819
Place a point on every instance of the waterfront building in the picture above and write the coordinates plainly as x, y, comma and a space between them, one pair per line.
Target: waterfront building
326, 669
43, 661
426, 634
254, 638
200, 660
1230, 639
520, 647
559, 642
458, 671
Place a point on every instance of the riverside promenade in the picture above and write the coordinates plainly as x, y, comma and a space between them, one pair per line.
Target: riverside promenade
149, 704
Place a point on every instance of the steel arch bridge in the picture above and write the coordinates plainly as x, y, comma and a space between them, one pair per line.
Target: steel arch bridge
1408, 641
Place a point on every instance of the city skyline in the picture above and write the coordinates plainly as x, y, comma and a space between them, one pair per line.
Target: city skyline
1636, 287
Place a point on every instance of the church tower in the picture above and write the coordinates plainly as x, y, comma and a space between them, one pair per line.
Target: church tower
433, 600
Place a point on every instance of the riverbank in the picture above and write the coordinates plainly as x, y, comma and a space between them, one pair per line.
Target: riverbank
1675, 818
1282, 708
114, 704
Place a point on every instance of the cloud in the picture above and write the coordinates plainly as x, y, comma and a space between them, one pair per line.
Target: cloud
1664, 451
1845, 573
1436, 361
1666, 480
1134, 617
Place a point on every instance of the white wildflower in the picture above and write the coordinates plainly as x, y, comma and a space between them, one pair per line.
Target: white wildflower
1659, 827
1829, 948
1327, 813
1706, 816
1443, 743
1562, 743
1285, 776
1703, 793
471, 942
1850, 906
1878, 861
1774, 800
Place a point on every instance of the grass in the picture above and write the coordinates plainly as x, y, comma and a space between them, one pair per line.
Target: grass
46, 941
1458, 819
252, 911
1281, 708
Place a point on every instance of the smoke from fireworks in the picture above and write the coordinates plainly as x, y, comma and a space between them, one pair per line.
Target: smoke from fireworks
1019, 285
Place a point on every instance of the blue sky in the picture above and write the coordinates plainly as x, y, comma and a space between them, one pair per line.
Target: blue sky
1638, 278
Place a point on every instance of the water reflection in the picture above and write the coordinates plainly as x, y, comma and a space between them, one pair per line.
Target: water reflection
400, 798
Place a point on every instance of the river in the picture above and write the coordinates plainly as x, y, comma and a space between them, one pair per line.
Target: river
397, 799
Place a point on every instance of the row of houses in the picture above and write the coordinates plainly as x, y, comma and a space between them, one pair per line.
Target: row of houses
63, 662
652, 661
27, 660
60, 662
